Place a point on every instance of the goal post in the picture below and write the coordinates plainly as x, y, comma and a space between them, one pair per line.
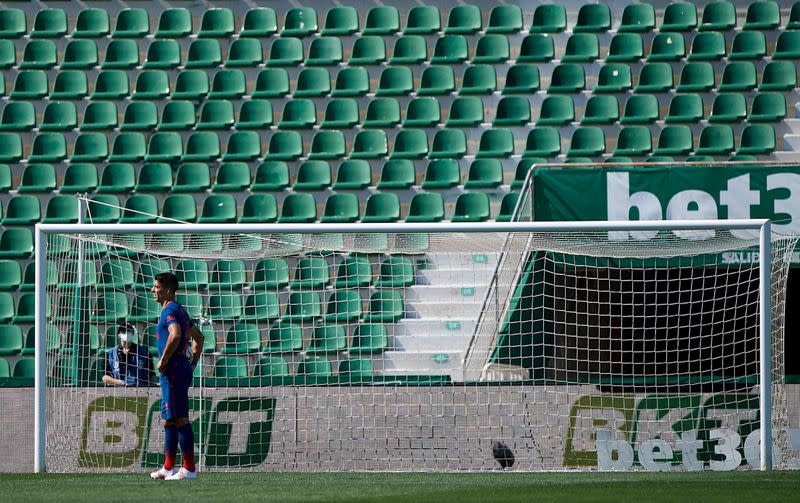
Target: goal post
504, 392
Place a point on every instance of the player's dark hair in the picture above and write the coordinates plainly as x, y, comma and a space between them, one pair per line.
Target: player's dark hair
168, 280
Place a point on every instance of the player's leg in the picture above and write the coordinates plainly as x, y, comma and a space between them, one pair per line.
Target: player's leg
180, 403
170, 432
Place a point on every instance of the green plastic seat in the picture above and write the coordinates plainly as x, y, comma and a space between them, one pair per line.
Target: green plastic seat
750, 45
313, 83
382, 206
344, 306
353, 174
764, 15
353, 271
685, 108
369, 144
442, 174
385, 306
99, 116
218, 208
154, 177
794, 18
472, 207
230, 367
79, 178
767, 107
395, 81
5, 177
495, 143
484, 174
201, 146
382, 20
90, 147
426, 207
492, 49
450, 143
228, 84
103, 209
313, 176
625, 47
117, 274
613, 78
18, 116
216, 114
423, 20
48, 147
192, 177
638, 17
271, 176
259, 208
352, 81
10, 147
298, 208
422, 112
410, 144
581, 48
478, 79
143, 209
192, 274
464, 20
262, 307
340, 208
16, 243
8, 54
12, 23
216, 23
567, 78
57, 116
549, 18
10, 279
244, 52
174, 23
593, 18
505, 19
465, 111
29, 85
536, 48
259, 22
300, 22
285, 52
131, 23
22, 210
395, 174
655, 78
284, 337
49, 23
165, 54
787, 45
204, 53
70, 85
314, 367
232, 177
587, 141
600, 109
25, 313
340, 113
254, 114
437, 81
327, 145
718, 16
10, 342
128, 147
146, 271
667, 47
325, 51
778, 76
728, 108
191, 85
640, 109
707, 46
542, 142
164, 147
270, 274
298, 114
450, 50
369, 338
715, 140
554, 110
225, 307
284, 146
382, 113
696, 76
121, 54
228, 275
340, 20
24, 368
679, 16
151, 85
757, 139
113, 307
180, 207
111, 84
38, 54
634, 141
368, 50
303, 306
739, 76
144, 309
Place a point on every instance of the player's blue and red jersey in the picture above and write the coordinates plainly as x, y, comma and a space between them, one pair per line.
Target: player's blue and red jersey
171, 314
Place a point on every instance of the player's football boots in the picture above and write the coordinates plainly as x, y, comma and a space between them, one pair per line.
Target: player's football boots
182, 474
161, 473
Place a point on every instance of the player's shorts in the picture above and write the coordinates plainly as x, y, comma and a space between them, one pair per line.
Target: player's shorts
175, 384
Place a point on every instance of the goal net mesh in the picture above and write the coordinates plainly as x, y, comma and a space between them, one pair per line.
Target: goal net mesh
420, 351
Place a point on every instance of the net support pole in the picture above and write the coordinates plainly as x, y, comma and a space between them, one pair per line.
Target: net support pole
765, 345
40, 312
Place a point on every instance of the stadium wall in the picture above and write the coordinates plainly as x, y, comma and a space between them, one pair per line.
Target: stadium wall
355, 428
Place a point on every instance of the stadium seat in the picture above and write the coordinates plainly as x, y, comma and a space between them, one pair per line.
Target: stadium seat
767, 107
144, 309
422, 112
117, 274
7, 309
111, 84
567, 78
638, 17
285, 52
131, 23
396, 174
10, 147
230, 368
192, 177
382, 113
464, 20
368, 50
728, 108
19, 116
549, 18
340, 20
12, 23
764, 15
225, 307
216, 114
228, 274
794, 17
5, 178
718, 16
192, 273
369, 144
340, 208
472, 207
542, 142
232, 177
536, 48
696, 76
587, 141
25, 309
22, 210
90, 147
554, 111
10, 341
751, 45
313, 176
262, 307
382, 206
103, 209
441, 174
204, 53
368, 339
327, 145
353, 271
117, 178
154, 177
99, 116
110, 308
10, 277
707, 46
303, 306
259, 22
343, 306
174, 23
300, 22
164, 147
312, 83
739, 76
310, 273
216, 23
679, 16
600, 109
426, 207
191, 85
79, 178
49, 23
80, 53
218, 208
352, 81
640, 109
143, 209
121, 54
495, 143
283, 146
325, 51
180, 207
165, 54
270, 274
492, 49
242, 338
465, 111
613, 78
667, 47
244, 52
450, 49
410, 144
395, 81
787, 45
201, 146
16, 243
24, 368
685, 108
8, 55
437, 80
69, 85
423, 20
778, 76
128, 147
757, 139
593, 18
484, 174
340, 113
353, 174
284, 338
48, 147
29, 85
479, 79
243, 146
151, 85
254, 114
228, 84
581, 48
448, 143
655, 78
259, 208
271, 176
382, 20
385, 306
634, 141
38, 54
625, 48
298, 208
715, 140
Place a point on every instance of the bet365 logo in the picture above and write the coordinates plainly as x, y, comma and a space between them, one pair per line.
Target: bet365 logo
121, 431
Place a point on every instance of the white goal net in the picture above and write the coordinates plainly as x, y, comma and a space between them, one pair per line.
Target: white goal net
384, 348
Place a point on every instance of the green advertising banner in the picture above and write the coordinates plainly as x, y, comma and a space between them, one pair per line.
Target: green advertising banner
671, 193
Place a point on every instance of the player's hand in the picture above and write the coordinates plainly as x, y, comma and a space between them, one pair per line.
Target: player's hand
162, 365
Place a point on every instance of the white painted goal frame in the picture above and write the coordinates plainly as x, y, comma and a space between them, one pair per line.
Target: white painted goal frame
762, 226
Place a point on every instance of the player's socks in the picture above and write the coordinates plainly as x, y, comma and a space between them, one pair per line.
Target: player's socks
186, 440
171, 438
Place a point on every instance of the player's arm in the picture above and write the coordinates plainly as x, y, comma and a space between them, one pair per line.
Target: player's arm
172, 343
197, 343
110, 381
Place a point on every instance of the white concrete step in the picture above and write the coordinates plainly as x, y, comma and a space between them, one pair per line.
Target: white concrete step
427, 343
791, 142
455, 308
460, 261
443, 277
439, 327
436, 293
793, 124
428, 362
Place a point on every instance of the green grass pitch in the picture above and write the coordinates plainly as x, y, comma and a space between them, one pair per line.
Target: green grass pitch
408, 487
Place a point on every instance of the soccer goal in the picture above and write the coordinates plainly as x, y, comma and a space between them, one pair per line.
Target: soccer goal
581, 345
